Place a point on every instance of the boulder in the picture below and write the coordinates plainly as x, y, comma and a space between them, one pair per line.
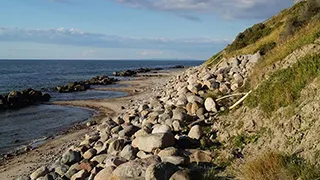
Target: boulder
210, 105
161, 171
193, 99
176, 160
105, 174
179, 114
170, 151
70, 157
89, 154
99, 158
195, 132
81, 175
114, 161
128, 152
61, 169
134, 169
150, 142
161, 129
116, 146
182, 175
42, 171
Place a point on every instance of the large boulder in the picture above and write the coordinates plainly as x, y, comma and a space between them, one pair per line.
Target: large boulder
105, 174
161, 171
134, 169
150, 142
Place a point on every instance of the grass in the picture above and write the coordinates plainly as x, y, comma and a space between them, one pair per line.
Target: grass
283, 87
214, 59
275, 166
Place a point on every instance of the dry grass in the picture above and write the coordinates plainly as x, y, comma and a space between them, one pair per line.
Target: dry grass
277, 166
270, 166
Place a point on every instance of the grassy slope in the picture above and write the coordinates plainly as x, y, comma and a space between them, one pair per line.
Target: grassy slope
286, 32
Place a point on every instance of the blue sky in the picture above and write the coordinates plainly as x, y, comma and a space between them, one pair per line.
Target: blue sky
126, 29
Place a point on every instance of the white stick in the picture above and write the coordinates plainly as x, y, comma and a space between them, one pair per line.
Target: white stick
240, 101
231, 95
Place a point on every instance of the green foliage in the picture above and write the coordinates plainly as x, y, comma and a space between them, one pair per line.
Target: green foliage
249, 36
299, 168
265, 48
283, 87
241, 140
309, 10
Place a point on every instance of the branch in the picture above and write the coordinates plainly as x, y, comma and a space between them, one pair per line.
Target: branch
231, 95
240, 101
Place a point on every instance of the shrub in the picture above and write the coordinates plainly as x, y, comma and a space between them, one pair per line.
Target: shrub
249, 36
283, 87
275, 166
265, 48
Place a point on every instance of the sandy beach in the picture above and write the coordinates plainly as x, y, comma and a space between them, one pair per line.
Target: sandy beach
138, 89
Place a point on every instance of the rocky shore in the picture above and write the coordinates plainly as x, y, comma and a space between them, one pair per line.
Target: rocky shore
129, 72
165, 134
20, 99
85, 85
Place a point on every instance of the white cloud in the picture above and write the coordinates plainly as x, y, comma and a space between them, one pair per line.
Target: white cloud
225, 8
77, 37
148, 52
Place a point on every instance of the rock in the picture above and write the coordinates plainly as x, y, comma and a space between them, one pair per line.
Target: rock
86, 165
161, 129
210, 105
179, 114
42, 171
128, 152
72, 170
194, 87
70, 157
118, 120
128, 130
181, 175
238, 79
141, 132
143, 155
185, 142
199, 156
170, 151
61, 169
176, 160
134, 169
143, 107
150, 142
116, 146
176, 125
194, 108
23, 178
100, 158
193, 99
195, 132
46, 177
81, 175
89, 154
114, 161
105, 174
161, 171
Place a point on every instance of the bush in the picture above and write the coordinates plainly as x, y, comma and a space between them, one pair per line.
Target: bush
249, 36
283, 87
265, 48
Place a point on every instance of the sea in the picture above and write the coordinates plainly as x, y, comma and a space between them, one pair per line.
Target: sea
30, 125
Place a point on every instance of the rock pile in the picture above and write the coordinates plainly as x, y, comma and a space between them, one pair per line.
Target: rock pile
127, 73
162, 138
85, 85
20, 99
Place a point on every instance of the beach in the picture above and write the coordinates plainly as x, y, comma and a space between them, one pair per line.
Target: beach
138, 89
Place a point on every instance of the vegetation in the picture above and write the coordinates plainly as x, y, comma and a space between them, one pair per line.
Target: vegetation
215, 59
249, 36
283, 87
275, 166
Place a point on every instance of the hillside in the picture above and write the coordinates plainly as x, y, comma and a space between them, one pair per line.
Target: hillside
275, 130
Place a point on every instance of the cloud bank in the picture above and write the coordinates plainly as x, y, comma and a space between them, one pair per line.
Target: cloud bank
225, 8
76, 37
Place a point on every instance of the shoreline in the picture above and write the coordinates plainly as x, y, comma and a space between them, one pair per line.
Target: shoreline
23, 164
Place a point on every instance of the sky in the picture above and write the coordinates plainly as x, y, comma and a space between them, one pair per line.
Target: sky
126, 29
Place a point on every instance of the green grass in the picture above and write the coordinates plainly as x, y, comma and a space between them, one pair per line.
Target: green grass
214, 59
283, 87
